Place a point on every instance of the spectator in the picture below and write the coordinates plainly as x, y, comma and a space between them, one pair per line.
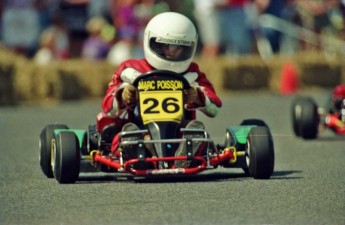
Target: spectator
207, 19
323, 17
95, 47
144, 10
320, 13
281, 9
75, 16
46, 10
20, 26
127, 31
236, 37
54, 42
99, 8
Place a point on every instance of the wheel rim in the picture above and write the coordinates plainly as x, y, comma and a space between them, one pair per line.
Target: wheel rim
40, 147
53, 155
298, 112
227, 139
248, 153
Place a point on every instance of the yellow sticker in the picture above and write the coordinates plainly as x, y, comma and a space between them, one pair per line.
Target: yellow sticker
161, 106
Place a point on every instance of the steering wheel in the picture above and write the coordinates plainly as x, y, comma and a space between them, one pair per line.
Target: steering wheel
162, 73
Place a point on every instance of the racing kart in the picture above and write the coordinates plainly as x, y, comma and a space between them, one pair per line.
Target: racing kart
248, 145
309, 119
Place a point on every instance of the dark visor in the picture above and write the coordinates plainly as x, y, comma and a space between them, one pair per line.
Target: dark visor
160, 50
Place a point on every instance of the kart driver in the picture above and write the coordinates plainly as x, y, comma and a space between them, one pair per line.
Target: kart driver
170, 41
336, 118
338, 97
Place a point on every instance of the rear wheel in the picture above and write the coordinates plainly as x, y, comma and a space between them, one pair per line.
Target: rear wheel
310, 120
45, 141
260, 153
296, 113
66, 157
305, 118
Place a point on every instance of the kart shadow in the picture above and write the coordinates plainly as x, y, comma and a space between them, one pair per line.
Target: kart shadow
202, 177
217, 176
283, 175
331, 138
87, 179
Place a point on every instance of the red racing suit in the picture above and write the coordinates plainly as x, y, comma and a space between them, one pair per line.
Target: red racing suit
335, 122
117, 113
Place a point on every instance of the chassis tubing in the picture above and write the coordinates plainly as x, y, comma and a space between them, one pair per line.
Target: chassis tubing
227, 155
335, 124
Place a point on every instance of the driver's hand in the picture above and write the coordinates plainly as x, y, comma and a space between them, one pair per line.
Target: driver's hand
191, 96
129, 94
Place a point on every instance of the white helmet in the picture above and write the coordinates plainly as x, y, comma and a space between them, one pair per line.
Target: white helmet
173, 31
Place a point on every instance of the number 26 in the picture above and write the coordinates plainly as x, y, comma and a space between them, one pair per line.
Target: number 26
169, 105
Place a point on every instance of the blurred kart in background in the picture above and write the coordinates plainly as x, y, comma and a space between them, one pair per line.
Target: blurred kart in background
309, 119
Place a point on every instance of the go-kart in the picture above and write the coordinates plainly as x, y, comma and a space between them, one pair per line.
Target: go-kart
308, 119
161, 112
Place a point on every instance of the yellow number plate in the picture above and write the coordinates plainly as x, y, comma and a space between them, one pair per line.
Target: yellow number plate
161, 106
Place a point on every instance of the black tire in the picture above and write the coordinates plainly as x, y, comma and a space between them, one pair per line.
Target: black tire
66, 157
296, 113
260, 153
310, 120
256, 122
305, 118
46, 136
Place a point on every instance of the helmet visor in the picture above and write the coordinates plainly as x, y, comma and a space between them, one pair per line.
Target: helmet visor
172, 49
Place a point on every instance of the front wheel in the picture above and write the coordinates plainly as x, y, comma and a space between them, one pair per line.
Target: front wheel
46, 136
253, 122
256, 122
66, 157
260, 153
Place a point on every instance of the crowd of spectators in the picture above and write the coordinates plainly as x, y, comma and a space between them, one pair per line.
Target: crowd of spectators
112, 30
267, 27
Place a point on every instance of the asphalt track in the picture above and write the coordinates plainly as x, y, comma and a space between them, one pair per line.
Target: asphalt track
307, 187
